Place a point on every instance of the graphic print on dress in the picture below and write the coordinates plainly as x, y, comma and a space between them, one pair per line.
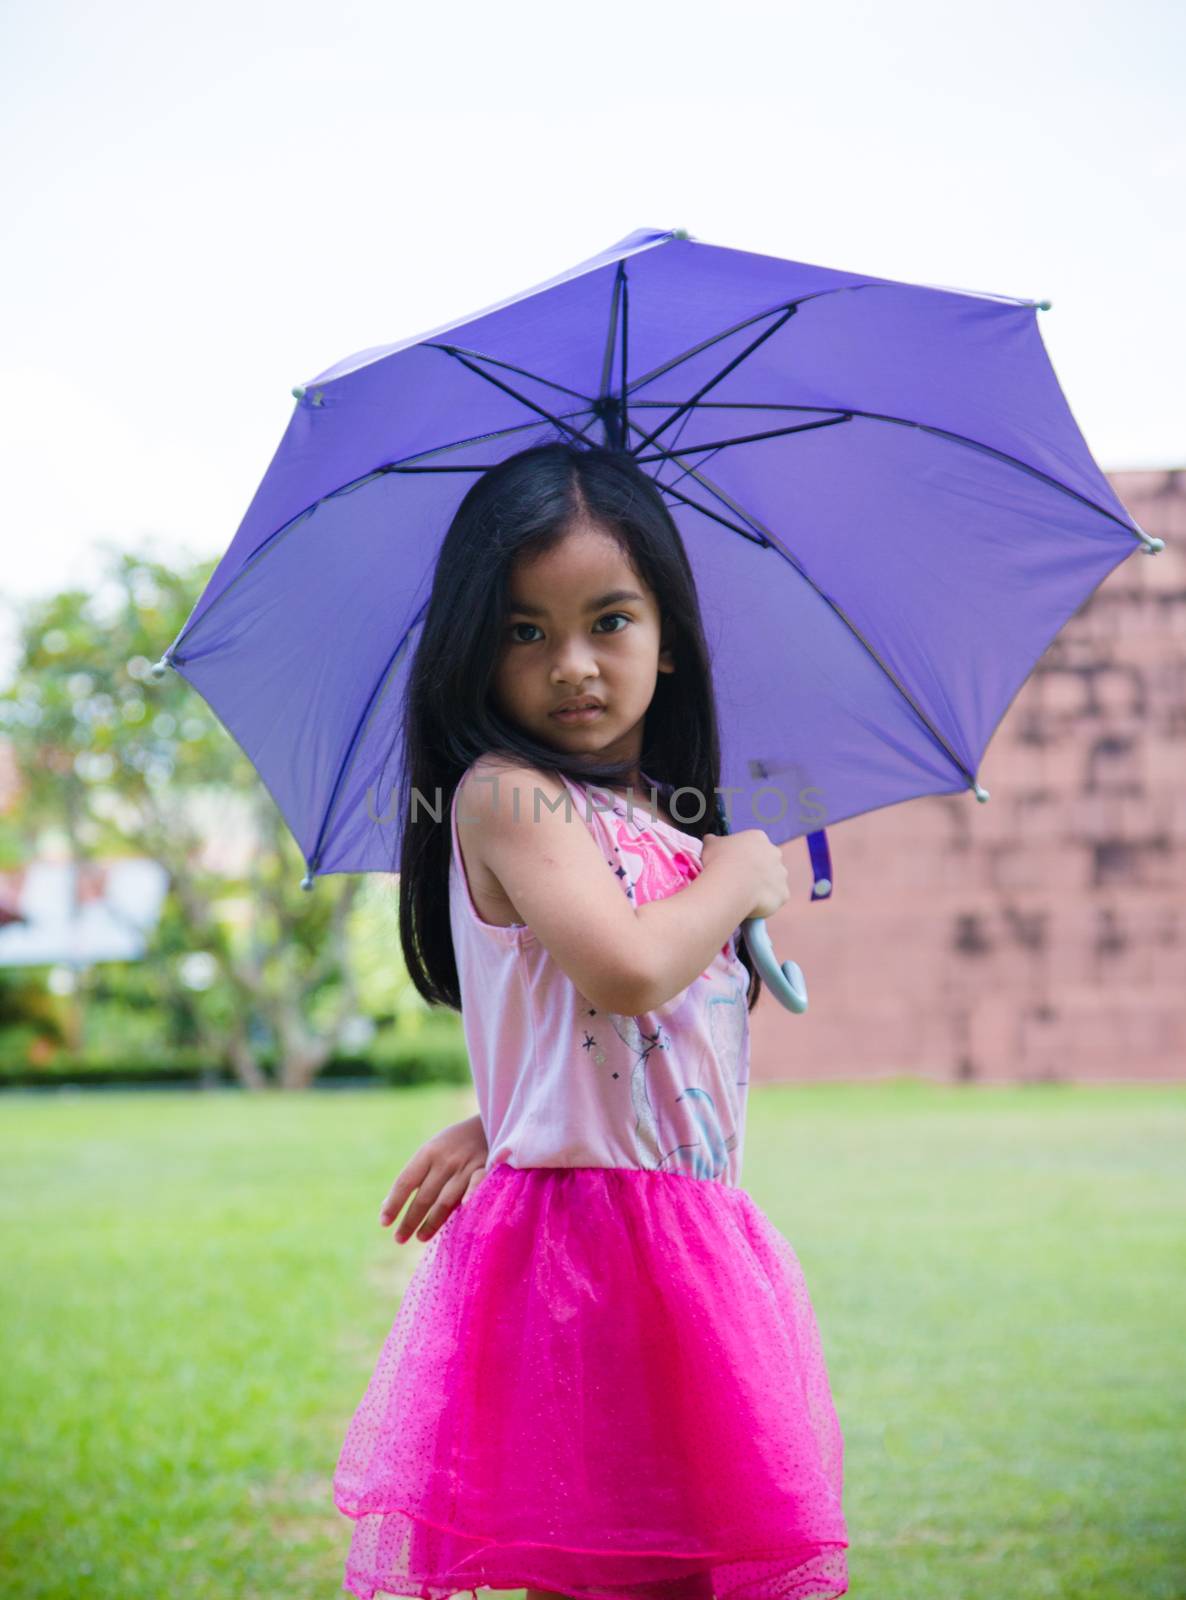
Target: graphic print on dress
649, 872
640, 1044
656, 872
708, 1157
728, 1021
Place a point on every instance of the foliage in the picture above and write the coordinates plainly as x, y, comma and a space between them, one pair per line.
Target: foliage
115, 763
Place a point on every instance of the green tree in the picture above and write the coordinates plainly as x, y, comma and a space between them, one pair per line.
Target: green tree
123, 764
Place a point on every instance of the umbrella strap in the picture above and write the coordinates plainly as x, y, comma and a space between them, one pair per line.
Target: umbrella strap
821, 864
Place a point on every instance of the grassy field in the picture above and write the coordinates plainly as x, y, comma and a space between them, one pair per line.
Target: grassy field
195, 1288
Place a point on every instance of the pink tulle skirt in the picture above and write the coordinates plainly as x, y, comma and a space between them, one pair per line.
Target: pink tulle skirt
606, 1382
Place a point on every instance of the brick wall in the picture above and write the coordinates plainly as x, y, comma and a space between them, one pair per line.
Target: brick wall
1041, 935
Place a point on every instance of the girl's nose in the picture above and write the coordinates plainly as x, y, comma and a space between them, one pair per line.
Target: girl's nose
573, 666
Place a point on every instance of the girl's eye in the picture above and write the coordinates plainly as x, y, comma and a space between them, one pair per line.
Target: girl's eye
609, 617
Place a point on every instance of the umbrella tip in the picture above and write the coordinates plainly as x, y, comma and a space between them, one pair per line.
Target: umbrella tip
1042, 305
299, 392
680, 233
159, 668
307, 881
981, 794
1152, 545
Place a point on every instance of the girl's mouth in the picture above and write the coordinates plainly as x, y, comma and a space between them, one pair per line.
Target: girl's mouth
585, 714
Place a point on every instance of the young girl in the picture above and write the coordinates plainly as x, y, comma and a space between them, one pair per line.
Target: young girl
605, 1377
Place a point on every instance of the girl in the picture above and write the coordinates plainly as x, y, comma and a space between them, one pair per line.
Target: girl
605, 1377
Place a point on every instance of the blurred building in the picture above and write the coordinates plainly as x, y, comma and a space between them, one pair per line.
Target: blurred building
75, 915
1042, 935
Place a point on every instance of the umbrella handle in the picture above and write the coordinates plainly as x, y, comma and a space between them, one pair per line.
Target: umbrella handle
785, 979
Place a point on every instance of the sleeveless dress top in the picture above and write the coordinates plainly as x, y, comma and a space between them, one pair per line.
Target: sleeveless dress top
561, 1083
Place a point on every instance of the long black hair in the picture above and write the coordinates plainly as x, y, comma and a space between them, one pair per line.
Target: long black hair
521, 507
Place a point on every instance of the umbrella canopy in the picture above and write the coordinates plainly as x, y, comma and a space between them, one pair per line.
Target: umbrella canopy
888, 506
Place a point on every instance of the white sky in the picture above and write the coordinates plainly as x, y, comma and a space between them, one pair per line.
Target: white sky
205, 205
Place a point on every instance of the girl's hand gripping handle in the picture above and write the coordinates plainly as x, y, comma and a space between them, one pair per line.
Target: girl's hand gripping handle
753, 851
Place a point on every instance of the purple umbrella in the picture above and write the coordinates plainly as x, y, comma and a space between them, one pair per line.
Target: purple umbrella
888, 506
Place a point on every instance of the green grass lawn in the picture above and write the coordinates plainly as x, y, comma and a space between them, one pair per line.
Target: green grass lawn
195, 1289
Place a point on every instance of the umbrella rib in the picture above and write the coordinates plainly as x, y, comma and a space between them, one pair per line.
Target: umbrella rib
508, 366
770, 311
776, 543
767, 333
748, 438
705, 344
746, 533
514, 394
666, 453
356, 739
846, 413
458, 444
612, 332
707, 451
406, 465
611, 412
624, 419
480, 466
410, 463
704, 460
740, 405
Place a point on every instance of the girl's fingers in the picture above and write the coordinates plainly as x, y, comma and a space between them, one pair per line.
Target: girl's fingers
416, 1212
475, 1179
410, 1178
429, 1210
427, 1195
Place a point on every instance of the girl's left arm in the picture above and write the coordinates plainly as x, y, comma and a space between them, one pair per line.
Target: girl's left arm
444, 1172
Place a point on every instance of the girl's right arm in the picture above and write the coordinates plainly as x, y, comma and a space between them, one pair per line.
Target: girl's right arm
741, 875
627, 960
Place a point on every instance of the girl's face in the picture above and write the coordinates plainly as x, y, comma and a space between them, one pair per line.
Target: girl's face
581, 624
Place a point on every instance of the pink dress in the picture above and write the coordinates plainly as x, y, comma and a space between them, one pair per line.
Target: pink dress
605, 1377
562, 1084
